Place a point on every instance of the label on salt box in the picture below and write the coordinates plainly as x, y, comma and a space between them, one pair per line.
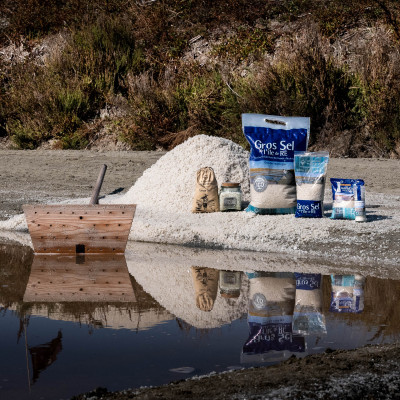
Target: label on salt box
309, 208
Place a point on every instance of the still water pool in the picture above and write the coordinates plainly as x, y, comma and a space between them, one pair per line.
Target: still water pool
69, 325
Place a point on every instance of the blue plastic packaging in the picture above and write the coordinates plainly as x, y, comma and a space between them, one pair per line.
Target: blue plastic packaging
273, 141
347, 195
310, 170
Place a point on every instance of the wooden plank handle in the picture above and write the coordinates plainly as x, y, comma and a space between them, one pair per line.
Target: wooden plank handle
95, 195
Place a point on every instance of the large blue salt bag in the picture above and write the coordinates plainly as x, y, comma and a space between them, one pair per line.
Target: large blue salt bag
273, 141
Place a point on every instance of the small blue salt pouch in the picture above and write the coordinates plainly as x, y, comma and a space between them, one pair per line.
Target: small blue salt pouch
273, 141
310, 171
345, 194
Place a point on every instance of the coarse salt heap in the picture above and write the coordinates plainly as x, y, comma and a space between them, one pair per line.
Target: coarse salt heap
170, 183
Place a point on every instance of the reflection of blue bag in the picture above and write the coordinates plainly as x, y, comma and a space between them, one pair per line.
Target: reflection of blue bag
271, 302
307, 317
307, 281
268, 334
347, 294
273, 141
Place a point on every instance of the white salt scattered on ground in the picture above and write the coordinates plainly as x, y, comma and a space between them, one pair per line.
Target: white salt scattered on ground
164, 194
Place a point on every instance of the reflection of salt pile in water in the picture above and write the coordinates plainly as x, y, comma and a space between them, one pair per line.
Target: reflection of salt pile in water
173, 288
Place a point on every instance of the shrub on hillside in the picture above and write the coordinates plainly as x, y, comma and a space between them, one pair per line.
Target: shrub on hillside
303, 79
55, 101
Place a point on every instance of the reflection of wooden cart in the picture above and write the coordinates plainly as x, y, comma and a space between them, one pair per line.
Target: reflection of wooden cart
80, 229
100, 278
59, 279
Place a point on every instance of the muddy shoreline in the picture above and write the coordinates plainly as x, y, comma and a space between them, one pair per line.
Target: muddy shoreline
371, 372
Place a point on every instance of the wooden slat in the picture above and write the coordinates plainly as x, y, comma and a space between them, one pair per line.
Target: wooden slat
101, 229
58, 278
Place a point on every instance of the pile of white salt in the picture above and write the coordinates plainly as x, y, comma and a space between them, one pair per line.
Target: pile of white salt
169, 184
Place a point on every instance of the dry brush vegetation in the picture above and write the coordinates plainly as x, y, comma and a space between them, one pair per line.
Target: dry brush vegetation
151, 74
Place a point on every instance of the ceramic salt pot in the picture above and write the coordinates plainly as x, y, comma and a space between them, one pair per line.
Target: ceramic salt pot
230, 197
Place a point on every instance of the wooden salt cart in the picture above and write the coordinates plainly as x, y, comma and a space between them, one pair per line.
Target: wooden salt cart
80, 229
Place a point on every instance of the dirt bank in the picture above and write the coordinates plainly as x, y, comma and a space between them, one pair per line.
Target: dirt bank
371, 372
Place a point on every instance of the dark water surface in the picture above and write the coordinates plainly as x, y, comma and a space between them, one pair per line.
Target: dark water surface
69, 325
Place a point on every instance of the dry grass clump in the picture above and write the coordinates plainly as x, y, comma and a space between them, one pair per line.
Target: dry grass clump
303, 79
37, 18
55, 101
378, 66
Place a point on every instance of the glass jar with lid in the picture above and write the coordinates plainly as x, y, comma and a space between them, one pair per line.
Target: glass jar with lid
230, 283
230, 197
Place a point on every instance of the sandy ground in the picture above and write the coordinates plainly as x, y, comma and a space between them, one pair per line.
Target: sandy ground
372, 372
43, 175
40, 176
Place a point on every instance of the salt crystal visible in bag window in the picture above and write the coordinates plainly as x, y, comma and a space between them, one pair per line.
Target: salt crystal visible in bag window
347, 194
273, 141
310, 171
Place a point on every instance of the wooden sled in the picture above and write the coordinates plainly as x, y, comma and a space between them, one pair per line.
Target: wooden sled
80, 229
